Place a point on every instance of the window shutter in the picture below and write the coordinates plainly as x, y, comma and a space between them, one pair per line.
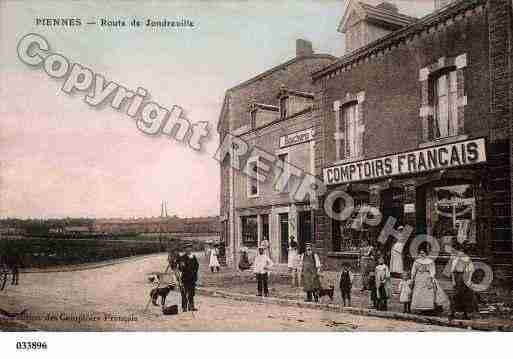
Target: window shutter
343, 133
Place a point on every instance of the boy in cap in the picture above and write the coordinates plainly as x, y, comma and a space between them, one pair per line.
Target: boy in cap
262, 265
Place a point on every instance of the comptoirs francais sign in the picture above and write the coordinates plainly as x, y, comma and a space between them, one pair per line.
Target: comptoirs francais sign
426, 159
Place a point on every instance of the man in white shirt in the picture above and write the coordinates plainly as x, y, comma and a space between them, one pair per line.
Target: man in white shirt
262, 265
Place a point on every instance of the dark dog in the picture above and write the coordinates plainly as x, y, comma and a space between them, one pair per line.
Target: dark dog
326, 292
161, 292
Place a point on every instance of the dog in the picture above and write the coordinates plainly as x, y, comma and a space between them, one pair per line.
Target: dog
322, 292
159, 291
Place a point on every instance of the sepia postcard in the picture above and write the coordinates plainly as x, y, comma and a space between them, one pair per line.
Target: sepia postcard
261, 166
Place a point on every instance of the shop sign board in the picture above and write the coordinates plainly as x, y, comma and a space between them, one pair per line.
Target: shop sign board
297, 137
456, 154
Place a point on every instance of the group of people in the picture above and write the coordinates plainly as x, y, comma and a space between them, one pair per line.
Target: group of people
304, 269
419, 290
184, 267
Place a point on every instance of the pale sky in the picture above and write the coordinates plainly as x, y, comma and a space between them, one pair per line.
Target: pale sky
60, 157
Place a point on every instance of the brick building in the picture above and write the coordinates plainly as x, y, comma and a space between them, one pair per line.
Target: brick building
174, 224
416, 122
272, 111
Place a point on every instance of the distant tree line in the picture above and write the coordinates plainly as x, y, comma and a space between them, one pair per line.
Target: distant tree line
42, 226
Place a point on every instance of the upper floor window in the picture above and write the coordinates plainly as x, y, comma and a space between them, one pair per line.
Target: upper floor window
283, 107
252, 180
445, 105
351, 132
281, 185
253, 114
443, 99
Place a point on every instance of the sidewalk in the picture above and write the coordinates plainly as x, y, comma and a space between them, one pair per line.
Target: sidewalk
236, 285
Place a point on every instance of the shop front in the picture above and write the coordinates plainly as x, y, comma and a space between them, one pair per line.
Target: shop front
440, 191
278, 224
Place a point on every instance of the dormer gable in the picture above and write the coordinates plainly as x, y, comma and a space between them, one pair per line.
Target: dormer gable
293, 102
363, 23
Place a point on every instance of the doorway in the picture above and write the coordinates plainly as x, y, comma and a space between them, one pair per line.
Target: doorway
392, 205
284, 237
304, 229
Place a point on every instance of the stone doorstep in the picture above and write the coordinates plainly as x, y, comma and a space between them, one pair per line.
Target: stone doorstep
456, 323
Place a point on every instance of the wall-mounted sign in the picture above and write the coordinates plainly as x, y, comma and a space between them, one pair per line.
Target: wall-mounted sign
297, 138
426, 159
409, 208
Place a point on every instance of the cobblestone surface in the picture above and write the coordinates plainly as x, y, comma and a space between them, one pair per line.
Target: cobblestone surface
116, 296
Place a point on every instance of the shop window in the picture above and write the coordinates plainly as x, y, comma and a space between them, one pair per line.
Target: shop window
252, 180
351, 234
453, 214
444, 122
249, 231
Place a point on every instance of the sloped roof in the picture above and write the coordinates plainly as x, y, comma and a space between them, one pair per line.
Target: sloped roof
264, 74
379, 14
426, 22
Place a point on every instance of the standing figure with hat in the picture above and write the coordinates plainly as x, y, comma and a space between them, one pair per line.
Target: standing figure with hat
292, 261
396, 255
262, 265
310, 266
266, 246
188, 266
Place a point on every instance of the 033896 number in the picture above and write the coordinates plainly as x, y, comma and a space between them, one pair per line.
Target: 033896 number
31, 345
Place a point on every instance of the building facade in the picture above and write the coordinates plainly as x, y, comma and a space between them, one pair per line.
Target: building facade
416, 124
273, 112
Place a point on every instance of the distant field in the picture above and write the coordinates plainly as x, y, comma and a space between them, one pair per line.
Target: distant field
45, 252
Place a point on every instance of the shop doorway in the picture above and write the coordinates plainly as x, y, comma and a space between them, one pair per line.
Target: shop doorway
284, 237
392, 206
304, 229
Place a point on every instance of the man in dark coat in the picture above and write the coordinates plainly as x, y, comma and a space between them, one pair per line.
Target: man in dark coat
188, 265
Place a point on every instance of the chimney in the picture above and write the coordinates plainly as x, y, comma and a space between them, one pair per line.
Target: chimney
303, 48
385, 5
441, 3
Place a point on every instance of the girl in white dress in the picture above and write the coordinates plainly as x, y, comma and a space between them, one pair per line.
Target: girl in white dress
214, 262
405, 292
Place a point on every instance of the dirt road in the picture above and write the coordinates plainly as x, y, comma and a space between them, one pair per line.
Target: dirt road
113, 298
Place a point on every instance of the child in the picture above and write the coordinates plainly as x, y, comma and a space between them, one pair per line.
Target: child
214, 262
405, 292
373, 295
346, 282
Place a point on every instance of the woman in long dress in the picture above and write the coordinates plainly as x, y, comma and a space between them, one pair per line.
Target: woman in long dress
464, 299
292, 261
367, 264
383, 284
423, 276
396, 258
